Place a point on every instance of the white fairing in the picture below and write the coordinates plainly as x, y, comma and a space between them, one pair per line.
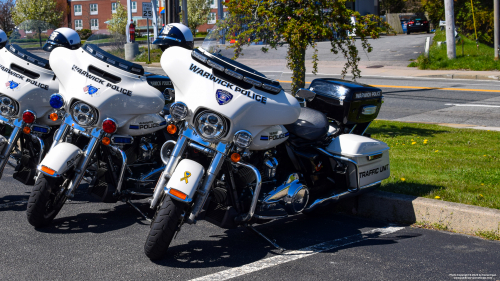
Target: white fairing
358, 148
122, 101
62, 157
243, 111
186, 178
31, 94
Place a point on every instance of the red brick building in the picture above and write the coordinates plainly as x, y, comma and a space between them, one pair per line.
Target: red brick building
93, 14
212, 17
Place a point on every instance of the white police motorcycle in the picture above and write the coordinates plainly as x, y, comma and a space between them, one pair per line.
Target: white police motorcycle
248, 153
26, 115
112, 130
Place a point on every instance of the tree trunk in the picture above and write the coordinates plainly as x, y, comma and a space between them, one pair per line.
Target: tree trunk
299, 71
40, 36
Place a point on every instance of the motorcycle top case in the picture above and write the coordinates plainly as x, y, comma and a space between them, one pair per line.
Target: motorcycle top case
346, 101
371, 156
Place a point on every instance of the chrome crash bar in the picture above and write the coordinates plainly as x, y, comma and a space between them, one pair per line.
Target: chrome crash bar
17, 124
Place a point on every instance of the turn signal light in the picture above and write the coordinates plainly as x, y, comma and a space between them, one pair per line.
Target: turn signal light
26, 130
178, 194
106, 141
109, 126
172, 129
235, 157
53, 116
48, 170
29, 117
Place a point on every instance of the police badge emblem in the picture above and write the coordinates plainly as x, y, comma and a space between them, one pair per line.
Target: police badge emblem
223, 97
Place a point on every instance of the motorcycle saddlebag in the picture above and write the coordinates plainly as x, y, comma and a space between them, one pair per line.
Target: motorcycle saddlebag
371, 157
345, 101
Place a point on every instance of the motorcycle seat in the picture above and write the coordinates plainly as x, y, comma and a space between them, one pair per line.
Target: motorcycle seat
311, 125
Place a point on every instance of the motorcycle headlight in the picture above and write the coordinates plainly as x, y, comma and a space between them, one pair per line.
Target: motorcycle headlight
8, 107
84, 114
178, 111
242, 139
210, 125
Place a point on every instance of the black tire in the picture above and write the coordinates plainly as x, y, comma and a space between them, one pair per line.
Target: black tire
42, 204
163, 228
408, 32
428, 31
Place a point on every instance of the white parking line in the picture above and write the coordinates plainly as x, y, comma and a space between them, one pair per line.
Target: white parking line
471, 104
10, 204
298, 254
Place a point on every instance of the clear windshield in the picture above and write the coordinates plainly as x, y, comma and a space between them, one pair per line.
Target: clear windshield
32, 35
271, 64
113, 43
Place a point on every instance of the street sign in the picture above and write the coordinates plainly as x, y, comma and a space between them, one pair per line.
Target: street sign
147, 10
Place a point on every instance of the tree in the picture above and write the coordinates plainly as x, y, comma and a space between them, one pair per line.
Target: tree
6, 23
392, 6
198, 11
118, 21
37, 15
299, 24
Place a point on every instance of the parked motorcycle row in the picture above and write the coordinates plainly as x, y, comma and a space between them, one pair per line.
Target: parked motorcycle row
215, 140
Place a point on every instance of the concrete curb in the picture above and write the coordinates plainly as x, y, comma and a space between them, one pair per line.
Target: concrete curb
452, 125
153, 64
462, 76
411, 209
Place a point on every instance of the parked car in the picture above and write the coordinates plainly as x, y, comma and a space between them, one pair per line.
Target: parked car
418, 24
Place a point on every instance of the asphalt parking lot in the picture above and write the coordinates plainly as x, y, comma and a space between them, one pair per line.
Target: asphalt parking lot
92, 240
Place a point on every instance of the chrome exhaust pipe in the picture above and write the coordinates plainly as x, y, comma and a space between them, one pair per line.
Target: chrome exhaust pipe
336, 197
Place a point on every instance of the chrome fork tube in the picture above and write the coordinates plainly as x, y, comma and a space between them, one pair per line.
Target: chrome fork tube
16, 132
204, 190
175, 156
60, 134
82, 166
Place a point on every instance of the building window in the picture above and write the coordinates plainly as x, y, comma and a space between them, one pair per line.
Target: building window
212, 18
213, 4
78, 10
94, 24
134, 7
78, 24
113, 7
93, 9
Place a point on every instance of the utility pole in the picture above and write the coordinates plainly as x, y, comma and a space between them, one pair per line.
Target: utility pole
185, 12
220, 12
495, 30
450, 28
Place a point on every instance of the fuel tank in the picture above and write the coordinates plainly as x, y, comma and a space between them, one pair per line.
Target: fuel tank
117, 88
200, 86
29, 80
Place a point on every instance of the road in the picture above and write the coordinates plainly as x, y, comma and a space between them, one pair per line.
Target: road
91, 240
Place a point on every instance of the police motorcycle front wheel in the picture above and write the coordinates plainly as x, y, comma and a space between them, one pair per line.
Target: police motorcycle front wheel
46, 200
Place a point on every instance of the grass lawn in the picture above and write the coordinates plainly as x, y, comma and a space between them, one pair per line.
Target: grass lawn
473, 58
143, 56
457, 165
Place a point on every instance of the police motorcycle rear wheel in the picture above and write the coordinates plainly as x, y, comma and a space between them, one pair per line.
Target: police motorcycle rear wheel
46, 200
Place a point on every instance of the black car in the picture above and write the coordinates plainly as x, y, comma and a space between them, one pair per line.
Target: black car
417, 24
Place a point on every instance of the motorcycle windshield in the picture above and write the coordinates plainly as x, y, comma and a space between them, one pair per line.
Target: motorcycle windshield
27, 40
270, 64
113, 44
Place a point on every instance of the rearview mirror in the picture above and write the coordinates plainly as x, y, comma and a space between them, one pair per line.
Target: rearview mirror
306, 94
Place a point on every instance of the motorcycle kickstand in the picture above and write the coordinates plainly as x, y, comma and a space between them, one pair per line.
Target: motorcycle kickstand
137, 209
273, 242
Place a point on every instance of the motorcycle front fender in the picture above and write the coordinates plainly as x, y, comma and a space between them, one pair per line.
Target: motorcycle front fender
60, 159
185, 180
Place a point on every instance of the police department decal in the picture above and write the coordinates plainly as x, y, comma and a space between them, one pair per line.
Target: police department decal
11, 85
274, 136
368, 95
223, 97
147, 125
91, 90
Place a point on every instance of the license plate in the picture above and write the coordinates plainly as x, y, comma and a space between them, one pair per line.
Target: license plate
417, 23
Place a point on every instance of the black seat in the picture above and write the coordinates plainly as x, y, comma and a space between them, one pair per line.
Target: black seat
311, 125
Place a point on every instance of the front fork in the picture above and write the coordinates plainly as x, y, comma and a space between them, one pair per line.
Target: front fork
219, 155
95, 139
14, 136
